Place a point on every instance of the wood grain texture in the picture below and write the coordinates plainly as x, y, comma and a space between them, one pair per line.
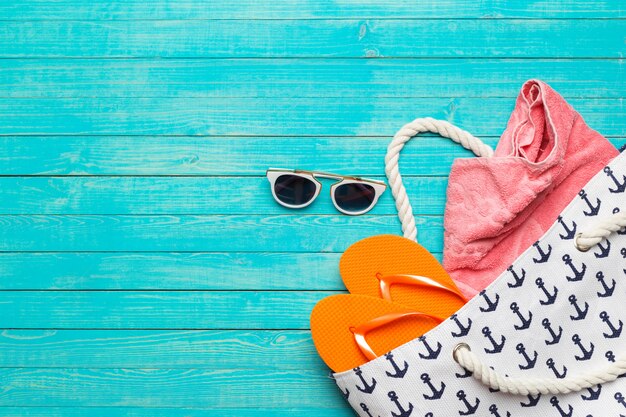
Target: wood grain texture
158, 309
131, 349
273, 117
217, 156
292, 77
191, 233
240, 388
173, 155
520, 38
307, 9
170, 271
185, 195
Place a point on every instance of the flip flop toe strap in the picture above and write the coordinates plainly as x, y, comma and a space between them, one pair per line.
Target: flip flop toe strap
386, 281
360, 331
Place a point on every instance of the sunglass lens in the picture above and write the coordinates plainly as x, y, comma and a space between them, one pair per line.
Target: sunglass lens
294, 190
354, 197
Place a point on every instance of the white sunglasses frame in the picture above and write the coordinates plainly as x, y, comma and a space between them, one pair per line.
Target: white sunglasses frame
272, 175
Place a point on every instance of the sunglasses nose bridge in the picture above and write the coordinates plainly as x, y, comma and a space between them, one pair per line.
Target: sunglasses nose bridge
328, 176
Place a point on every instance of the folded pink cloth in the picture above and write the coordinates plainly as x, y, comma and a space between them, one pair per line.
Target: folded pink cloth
498, 207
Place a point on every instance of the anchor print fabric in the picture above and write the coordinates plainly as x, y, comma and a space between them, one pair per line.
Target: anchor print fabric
555, 312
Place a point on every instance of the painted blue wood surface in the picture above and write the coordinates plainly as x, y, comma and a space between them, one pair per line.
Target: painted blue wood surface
144, 268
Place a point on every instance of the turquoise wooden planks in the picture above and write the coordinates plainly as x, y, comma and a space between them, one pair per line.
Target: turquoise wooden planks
236, 78
274, 116
172, 156
189, 233
171, 412
158, 309
308, 9
203, 388
170, 271
173, 349
521, 38
185, 195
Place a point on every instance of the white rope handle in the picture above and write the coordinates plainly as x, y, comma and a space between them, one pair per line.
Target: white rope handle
603, 229
441, 127
533, 386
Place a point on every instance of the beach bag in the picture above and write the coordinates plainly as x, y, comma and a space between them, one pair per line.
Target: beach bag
544, 339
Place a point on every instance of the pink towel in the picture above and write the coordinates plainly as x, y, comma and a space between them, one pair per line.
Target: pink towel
498, 207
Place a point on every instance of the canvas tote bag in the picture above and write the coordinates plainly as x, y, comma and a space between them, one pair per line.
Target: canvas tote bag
544, 339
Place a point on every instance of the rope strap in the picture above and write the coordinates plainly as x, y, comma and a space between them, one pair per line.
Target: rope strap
533, 386
603, 229
441, 127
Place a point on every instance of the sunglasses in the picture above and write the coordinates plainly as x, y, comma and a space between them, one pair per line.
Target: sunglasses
297, 189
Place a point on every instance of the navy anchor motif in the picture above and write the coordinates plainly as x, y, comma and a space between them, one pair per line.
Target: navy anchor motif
401, 411
465, 374
436, 393
556, 337
397, 372
604, 250
345, 394
615, 331
623, 253
620, 187
543, 256
623, 230
496, 346
611, 357
593, 210
550, 298
491, 305
518, 279
587, 353
578, 275
493, 409
608, 291
555, 403
525, 321
594, 394
431, 354
557, 373
530, 363
366, 409
463, 329
619, 397
366, 388
580, 313
532, 401
569, 232
469, 408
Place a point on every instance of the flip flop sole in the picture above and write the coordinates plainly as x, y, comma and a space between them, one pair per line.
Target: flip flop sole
387, 255
334, 319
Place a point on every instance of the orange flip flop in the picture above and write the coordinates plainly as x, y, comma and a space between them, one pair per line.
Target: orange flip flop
400, 270
349, 330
